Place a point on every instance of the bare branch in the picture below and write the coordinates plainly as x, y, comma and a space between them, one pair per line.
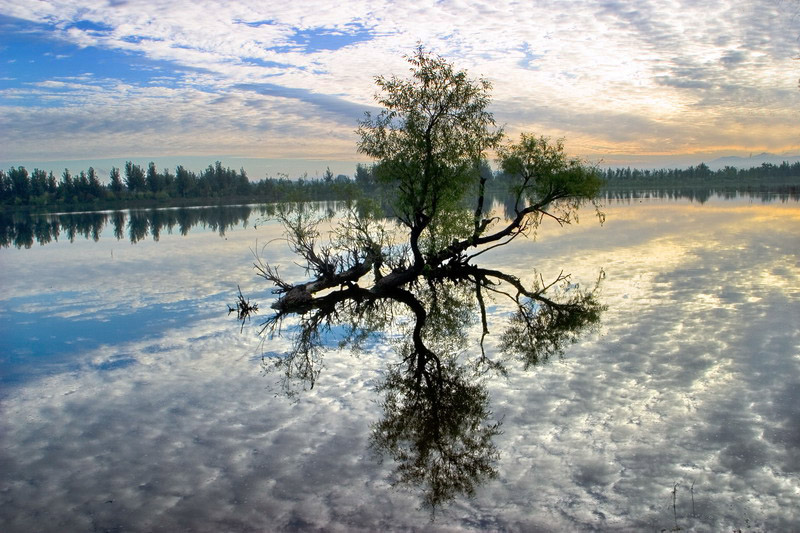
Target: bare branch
244, 309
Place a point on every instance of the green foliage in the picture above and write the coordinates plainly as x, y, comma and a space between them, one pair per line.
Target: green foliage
449, 224
430, 136
365, 177
20, 184
544, 170
134, 177
116, 185
162, 187
540, 329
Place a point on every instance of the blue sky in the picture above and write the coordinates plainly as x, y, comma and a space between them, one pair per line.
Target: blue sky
280, 88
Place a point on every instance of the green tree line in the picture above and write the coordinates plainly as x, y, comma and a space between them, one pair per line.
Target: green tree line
702, 174
134, 183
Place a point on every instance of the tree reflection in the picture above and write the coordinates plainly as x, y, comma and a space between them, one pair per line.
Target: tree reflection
22, 229
414, 278
437, 431
437, 425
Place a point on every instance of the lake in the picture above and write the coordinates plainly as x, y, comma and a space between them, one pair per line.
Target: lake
131, 401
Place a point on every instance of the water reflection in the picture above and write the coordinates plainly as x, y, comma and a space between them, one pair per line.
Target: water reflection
693, 379
436, 409
23, 229
702, 195
437, 424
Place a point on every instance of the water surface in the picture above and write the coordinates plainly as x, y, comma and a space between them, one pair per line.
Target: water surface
131, 401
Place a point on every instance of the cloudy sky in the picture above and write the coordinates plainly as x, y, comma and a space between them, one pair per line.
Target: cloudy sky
285, 83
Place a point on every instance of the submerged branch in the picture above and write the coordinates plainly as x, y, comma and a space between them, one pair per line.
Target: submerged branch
244, 309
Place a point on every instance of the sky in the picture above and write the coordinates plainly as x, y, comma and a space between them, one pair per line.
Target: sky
279, 87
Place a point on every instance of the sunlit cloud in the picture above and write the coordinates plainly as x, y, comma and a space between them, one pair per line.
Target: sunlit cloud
613, 77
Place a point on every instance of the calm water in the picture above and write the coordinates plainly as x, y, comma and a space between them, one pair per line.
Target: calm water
130, 401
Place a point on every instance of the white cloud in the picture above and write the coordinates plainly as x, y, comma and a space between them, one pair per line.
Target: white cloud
692, 370
719, 68
129, 121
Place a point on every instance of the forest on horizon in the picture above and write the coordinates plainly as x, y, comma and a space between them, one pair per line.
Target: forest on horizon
134, 185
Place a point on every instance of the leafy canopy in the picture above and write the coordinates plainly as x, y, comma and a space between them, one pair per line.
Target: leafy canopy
543, 170
431, 140
430, 137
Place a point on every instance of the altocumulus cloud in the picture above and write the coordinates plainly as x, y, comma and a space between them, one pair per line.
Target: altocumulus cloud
720, 70
692, 379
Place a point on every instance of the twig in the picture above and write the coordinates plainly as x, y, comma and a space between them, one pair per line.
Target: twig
674, 508
243, 309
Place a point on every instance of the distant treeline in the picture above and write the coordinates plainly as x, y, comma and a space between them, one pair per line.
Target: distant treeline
783, 174
134, 185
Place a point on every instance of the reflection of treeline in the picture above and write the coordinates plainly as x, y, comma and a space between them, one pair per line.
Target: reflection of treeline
776, 178
701, 195
22, 229
135, 184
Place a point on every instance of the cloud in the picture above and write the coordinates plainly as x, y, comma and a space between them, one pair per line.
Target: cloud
692, 380
663, 63
349, 111
130, 121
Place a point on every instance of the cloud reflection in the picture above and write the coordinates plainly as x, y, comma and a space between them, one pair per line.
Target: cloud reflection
693, 379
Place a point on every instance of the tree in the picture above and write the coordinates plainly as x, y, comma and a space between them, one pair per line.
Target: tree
431, 141
243, 187
96, 189
38, 183
67, 188
364, 176
183, 181
20, 184
134, 178
116, 185
52, 185
82, 186
5, 187
153, 178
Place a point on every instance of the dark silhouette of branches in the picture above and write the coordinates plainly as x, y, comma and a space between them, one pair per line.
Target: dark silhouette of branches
411, 279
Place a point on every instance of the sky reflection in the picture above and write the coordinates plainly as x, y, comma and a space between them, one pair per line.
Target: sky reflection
164, 421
